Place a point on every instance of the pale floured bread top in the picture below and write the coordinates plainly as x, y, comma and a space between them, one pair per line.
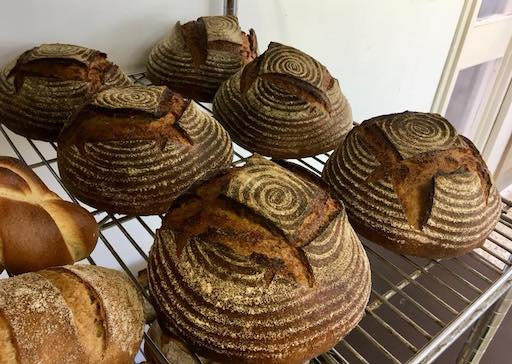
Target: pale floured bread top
122, 306
150, 99
72, 315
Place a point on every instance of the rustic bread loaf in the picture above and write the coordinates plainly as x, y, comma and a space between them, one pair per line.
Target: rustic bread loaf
37, 228
70, 315
134, 149
412, 184
42, 88
258, 265
196, 57
284, 104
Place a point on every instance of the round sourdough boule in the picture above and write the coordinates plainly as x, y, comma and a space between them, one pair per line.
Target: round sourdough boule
196, 57
412, 184
134, 149
258, 265
73, 314
284, 104
42, 88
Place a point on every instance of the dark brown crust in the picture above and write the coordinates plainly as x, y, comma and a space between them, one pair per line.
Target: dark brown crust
219, 232
201, 78
284, 104
171, 142
400, 176
59, 86
40, 243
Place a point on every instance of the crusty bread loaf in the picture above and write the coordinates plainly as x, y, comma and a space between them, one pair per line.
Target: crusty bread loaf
37, 228
42, 88
412, 184
284, 104
258, 265
134, 149
70, 315
196, 57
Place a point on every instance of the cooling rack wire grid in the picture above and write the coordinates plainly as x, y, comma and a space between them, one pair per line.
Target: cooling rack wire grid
417, 308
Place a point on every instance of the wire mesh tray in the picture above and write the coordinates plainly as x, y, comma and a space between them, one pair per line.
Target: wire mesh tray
417, 308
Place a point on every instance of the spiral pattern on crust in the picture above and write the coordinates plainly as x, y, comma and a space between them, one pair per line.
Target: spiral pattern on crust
170, 62
143, 98
41, 107
57, 50
411, 134
460, 218
223, 304
274, 193
139, 176
274, 122
223, 28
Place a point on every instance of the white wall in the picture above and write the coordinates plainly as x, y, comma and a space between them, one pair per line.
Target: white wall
387, 54
124, 29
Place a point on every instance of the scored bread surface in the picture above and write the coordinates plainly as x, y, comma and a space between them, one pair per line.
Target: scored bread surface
70, 315
54, 232
195, 58
258, 265
135, 149
411, 183
284, 104
36, 103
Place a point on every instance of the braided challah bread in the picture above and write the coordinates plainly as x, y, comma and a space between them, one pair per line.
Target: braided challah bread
258, 265
47, 84
37, 228
70, 315
196, 57
134, 149
284, 104
412, 184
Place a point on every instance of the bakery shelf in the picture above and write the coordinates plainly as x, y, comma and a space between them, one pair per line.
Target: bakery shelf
418, 307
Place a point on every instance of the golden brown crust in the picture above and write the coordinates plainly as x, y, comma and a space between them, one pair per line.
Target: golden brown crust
38, 229
284, 104
47, 84
199, 55
54, 316
134, 149
242, 273
410, 183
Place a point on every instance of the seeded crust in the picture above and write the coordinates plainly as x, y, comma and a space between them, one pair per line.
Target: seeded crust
47, 84
258, 265
134, 149
199, 55
70, 315
412, 184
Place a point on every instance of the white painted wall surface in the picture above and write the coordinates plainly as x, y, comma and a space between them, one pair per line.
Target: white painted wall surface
388, 55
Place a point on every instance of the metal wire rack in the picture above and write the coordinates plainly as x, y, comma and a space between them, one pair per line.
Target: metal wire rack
417, 308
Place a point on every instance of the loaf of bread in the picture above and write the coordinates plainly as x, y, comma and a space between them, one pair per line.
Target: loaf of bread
42, 88
196, 57
284, 104
412, 184
258, 265
70, 315
37, 228
134, 149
